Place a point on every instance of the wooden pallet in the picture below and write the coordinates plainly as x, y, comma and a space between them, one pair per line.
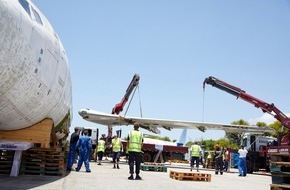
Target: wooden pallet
156, 168
6, 161
279, 187
179, 161
153, 164
280, 172
43, 161
190, 176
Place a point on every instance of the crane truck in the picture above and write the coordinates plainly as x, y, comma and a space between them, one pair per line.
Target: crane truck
260, 156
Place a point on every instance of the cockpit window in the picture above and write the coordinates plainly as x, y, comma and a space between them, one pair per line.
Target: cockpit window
37, 17
25, 6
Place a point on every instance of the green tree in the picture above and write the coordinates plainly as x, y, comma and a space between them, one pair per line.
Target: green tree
209, 145
263, 124
277, 126
157, 137
236, 137
166, 139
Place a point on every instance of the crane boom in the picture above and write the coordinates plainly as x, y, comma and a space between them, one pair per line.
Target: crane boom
264, 106
133, 84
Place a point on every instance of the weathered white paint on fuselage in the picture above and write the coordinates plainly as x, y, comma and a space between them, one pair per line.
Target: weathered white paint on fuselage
35, 81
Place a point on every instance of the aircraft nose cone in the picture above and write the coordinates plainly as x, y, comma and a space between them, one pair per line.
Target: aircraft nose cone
83, 113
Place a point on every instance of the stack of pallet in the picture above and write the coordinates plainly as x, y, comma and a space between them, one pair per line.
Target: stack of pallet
190, 176
280, 168
43, 161
179, 161
152, 166
6, 161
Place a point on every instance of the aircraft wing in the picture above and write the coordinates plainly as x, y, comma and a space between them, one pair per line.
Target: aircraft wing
153, 124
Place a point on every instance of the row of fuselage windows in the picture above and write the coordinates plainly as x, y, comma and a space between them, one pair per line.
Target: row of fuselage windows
26, 7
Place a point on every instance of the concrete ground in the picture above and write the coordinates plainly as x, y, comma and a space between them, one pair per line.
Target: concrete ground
105, 177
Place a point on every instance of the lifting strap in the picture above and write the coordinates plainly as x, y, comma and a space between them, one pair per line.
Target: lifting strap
132, 99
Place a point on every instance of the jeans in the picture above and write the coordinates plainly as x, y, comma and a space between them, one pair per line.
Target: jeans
242, 166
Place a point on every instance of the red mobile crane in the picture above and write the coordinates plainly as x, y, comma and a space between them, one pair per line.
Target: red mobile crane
258, 159
266, 107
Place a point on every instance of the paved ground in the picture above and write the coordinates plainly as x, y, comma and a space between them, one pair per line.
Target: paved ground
105, 177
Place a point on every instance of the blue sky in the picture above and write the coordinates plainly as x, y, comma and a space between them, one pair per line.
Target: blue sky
174, 46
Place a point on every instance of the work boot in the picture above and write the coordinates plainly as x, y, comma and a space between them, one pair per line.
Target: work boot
118, 166
131, 177
138, 177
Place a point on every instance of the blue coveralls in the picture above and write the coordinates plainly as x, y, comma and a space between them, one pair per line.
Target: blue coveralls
85, 146
72, 150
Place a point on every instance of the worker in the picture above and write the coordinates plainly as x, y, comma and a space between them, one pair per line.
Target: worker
209, 160
134, 144
242, 161
72, 148
65, 147
195, 153
101, 149
218, 157
201, 159
226, 159
85, 146
117, 147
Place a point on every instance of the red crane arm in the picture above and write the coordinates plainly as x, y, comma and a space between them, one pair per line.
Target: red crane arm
239, 93
119, 106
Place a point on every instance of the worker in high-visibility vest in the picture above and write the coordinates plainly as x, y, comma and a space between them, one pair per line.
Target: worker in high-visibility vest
134, 144
101, 149
195, 153
117, 146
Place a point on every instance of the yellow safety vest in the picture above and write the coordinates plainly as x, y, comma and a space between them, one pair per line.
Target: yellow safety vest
116, 145
209, 156
101, 146
135, 141
195, 150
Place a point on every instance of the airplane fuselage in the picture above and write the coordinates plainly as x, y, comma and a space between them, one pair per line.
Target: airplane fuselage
35, 81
